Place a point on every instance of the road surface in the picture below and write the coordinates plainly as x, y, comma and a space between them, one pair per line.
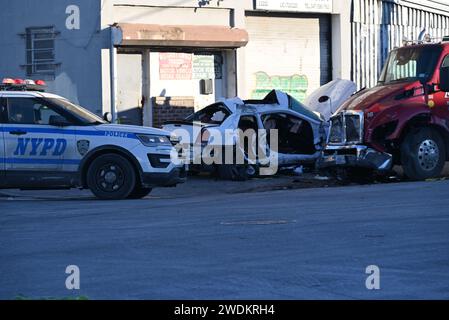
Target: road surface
287, 244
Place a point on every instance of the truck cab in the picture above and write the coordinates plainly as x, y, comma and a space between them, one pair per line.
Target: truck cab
404, 120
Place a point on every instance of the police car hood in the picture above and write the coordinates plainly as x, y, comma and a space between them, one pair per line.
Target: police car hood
132, 129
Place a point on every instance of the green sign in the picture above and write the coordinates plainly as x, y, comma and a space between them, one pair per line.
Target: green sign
295, 85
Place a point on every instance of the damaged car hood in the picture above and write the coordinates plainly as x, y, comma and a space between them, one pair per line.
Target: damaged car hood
338, 91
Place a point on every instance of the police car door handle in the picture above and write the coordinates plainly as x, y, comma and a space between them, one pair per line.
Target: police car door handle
18, 133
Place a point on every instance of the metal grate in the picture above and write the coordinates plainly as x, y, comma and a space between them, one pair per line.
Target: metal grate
346, 128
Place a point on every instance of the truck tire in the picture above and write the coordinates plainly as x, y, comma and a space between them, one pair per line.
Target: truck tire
139, 192
423, 154
111, 177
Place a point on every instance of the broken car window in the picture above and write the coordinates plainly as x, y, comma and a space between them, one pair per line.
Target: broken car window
214, 114
295, 134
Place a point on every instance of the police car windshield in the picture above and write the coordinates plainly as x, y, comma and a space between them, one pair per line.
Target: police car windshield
84, 116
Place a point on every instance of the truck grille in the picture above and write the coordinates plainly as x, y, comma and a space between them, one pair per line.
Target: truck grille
346, 128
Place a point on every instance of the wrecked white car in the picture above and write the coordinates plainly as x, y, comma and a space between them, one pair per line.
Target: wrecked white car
211, 134
301, 135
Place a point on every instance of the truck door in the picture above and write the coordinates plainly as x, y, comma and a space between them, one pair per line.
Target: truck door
441, 99
31, 143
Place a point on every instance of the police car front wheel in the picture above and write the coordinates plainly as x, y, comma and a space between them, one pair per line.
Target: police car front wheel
111, 177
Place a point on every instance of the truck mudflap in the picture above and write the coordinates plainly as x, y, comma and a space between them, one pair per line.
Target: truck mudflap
355, 156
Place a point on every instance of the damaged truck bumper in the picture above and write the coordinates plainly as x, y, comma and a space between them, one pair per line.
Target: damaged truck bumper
355, 156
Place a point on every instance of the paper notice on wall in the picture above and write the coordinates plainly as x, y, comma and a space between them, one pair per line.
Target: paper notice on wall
207, 66
175, 66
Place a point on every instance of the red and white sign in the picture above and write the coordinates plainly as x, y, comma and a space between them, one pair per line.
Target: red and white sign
175, 66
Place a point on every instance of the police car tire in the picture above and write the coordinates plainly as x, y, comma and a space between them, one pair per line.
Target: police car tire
410, 154
127, 176
139, 192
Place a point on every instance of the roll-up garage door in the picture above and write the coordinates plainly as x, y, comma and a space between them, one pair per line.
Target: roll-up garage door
289, 52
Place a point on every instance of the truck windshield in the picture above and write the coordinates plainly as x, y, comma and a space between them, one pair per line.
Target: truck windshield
410, 64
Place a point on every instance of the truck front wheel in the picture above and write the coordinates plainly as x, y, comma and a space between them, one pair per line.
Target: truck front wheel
423, 154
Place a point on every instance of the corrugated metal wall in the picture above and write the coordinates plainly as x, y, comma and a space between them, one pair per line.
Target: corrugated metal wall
378, 26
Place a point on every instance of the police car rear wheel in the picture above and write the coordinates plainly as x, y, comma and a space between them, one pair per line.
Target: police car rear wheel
111, 177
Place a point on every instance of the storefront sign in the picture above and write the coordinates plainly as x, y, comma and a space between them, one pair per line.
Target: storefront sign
207, 66
322, 6
175, 66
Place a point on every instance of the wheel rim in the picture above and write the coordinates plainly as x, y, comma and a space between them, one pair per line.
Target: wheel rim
428, 155
250, 171
110, 178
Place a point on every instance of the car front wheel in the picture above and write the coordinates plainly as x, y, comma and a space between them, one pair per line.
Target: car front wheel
423, 154
111, 177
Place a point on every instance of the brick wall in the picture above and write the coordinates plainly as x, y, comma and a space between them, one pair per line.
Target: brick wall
171, 109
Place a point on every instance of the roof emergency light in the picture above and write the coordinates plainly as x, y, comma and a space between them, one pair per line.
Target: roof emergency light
10, 84
8, 81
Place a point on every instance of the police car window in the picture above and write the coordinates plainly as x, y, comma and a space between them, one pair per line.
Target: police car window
29, 111
80, 114
2, 110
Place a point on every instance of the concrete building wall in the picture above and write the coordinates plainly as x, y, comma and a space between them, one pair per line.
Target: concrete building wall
83, 75
84, 71
78, 77
231, 13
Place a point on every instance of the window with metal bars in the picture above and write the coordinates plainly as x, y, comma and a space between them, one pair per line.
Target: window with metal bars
40, 47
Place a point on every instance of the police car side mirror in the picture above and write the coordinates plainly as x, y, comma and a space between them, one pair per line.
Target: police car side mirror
58, 121
107, 117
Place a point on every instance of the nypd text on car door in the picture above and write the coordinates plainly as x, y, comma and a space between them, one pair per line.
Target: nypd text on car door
33, 139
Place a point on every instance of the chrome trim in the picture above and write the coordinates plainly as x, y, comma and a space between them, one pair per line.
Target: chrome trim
344, 138
384, 161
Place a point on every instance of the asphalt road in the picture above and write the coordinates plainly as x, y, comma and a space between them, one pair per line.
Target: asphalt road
294, 244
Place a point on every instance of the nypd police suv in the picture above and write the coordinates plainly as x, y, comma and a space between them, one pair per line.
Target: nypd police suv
47, 142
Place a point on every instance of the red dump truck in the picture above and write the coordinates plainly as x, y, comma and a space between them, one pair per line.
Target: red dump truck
404, 120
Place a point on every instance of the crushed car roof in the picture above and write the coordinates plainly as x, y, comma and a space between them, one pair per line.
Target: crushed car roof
275, 100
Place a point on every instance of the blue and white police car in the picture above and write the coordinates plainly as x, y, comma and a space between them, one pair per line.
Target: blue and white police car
47, 142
